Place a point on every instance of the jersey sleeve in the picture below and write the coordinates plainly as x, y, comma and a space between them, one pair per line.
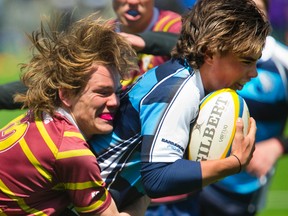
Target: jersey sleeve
158, 43
166, 123
168, 179
79, 174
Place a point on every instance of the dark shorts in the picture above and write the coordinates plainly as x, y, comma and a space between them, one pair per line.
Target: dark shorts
213, 201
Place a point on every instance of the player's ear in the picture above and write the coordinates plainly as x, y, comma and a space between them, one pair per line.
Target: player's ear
208, 57
65, 97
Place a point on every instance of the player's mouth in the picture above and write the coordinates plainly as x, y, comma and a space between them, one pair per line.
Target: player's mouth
107, 116
240, 85
132, 15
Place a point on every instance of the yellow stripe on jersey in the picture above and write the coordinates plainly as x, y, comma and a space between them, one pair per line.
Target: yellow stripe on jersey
12, 133
34, 160
94, 206
19, 200
15, 120
2, 213
75, 153
170, 23
83, 185
46, 136
74, 134
167, 25
78, 186
159, 24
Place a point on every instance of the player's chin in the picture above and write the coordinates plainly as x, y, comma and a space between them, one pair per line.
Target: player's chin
106, 127
237, 86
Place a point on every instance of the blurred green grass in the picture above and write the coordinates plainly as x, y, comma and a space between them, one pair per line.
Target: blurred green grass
10, 71
277, 204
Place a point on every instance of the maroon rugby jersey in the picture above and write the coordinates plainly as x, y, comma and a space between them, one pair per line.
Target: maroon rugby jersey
47, 165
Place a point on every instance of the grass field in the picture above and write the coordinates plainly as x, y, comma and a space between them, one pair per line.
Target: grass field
277, 203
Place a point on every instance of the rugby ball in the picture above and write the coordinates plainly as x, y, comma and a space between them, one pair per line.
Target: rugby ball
212, 134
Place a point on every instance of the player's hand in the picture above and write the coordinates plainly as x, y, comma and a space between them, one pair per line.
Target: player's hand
265, 156
244, 146
136, 41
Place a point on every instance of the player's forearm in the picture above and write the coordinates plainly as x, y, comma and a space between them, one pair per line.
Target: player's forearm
7, 91
166, 179
158, 43
214, 170
137, 208
111, 210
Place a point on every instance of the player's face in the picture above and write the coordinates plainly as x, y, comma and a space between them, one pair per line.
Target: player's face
95, 107
134, 15
228, 71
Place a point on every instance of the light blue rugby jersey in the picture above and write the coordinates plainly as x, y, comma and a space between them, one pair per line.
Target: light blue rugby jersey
267, 99
155, 115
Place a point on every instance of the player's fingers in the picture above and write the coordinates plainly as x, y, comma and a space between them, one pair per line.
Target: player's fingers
251, 137
252, 129
239, 129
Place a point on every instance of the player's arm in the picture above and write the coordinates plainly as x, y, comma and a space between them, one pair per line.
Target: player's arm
184, 176
137, 208
262, 162
154, 43
158, 43
93, 199
241, 154
167, 179
111, 210
7, 92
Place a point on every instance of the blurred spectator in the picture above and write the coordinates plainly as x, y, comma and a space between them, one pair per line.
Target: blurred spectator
136, 17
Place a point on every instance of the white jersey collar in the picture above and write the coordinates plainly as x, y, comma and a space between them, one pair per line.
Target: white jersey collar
68, 116
199, 83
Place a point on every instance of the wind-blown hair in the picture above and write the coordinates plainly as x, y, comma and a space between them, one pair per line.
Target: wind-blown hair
64, 59
219, 27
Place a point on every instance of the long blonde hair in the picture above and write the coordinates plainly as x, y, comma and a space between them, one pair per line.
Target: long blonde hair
63, 59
